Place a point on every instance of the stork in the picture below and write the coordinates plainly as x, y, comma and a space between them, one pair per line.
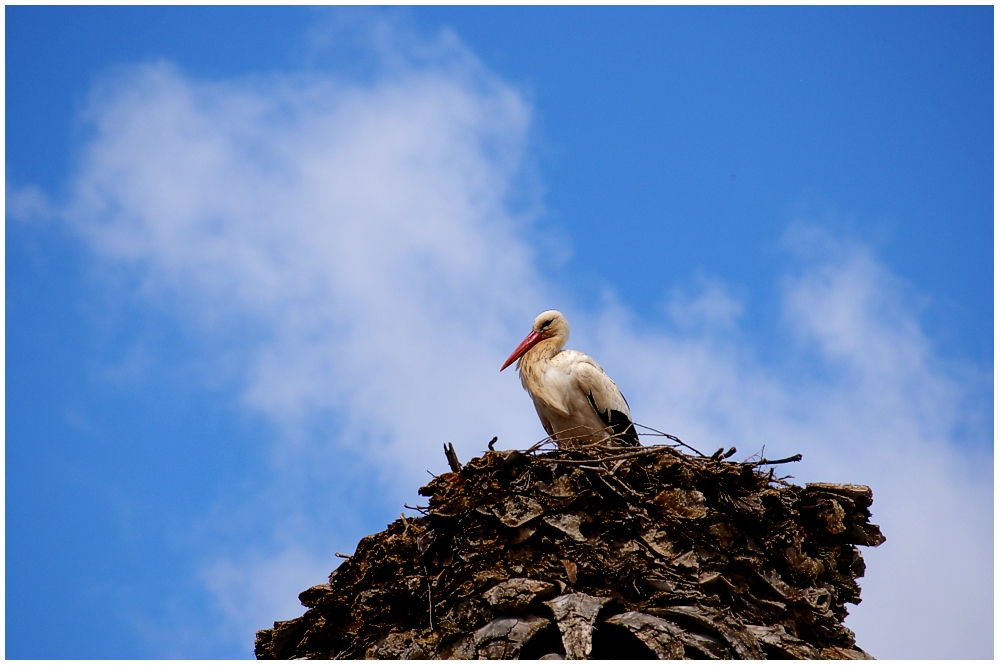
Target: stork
575, 400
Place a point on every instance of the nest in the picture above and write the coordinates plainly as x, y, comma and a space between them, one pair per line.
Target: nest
598, 551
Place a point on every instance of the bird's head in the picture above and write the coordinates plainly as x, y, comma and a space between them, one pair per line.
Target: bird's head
548, 325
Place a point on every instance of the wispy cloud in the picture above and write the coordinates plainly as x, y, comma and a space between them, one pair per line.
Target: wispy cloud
867, 402
355, 245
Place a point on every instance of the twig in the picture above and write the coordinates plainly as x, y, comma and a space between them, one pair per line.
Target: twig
793, 458
547, 440
430, 600
622, 485
606, 479
614, 458
416, 508
449, 452
597, 444
759, 454
342, 556
671, 437
600, 478
490, 444
620, 439
552, 439
406, 524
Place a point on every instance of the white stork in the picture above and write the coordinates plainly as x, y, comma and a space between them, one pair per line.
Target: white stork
574, 398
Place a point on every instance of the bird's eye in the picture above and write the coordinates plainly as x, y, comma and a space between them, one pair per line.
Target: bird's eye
546, 324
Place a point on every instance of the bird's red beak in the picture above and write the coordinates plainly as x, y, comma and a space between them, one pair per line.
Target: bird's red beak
522, 348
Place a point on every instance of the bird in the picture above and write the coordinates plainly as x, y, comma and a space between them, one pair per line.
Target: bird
575, 400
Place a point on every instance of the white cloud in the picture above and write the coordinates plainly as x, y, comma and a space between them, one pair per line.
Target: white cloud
712, 308
354, 245
27, 203
881, 410
359, 232
248, 587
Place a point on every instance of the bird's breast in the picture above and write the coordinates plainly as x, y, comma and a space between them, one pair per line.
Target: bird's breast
552, 385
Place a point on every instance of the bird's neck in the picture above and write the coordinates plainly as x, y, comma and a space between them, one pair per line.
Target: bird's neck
529, 366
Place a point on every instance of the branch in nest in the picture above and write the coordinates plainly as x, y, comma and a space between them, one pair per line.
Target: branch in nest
430, 600
671, 437
547, 440
449, 452
793, 458
614, 458
718, 455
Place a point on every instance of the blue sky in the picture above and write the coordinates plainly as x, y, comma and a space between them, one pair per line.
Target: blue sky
261, 262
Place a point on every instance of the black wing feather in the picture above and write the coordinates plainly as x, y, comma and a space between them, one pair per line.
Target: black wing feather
620, 424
